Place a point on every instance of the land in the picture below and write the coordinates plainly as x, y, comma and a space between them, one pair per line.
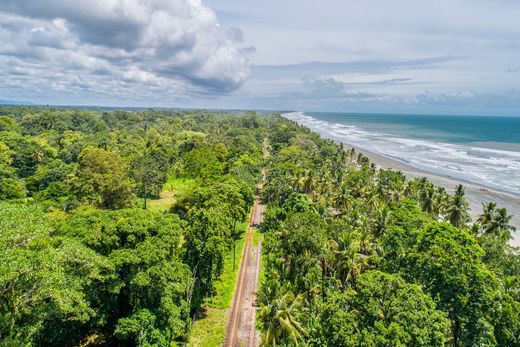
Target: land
476, 194
124, 228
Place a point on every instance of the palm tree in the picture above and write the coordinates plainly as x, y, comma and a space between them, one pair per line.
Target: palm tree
342, 199
457, 212
487, 213
281, 314
441, 201
381, 221
499, 224
349, 259
427, 198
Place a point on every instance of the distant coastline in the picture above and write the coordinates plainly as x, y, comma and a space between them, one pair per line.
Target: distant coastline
477, 194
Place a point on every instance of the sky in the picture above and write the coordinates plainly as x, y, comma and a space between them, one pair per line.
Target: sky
406, 56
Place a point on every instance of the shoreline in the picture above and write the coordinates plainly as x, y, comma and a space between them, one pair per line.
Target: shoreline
476, 194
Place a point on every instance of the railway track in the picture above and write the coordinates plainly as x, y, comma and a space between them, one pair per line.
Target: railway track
241, 327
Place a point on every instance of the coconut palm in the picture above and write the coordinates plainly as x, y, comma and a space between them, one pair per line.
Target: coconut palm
457, 211
381, 220
349, 261
281, 314
441, 201
342, 199
427, 198
499, 224
487, 213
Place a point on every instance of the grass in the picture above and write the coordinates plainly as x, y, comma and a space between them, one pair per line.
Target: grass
209, 329
174, 187
179, 185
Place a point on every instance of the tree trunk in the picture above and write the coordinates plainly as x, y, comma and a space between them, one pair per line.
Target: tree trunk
456, 329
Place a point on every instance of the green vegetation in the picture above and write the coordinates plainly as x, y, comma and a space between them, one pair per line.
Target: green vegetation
209, 328
117, 228
359, 256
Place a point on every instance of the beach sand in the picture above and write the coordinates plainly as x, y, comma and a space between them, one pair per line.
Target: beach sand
476, 194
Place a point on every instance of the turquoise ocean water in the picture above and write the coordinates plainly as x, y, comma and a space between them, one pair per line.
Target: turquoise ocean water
480, 149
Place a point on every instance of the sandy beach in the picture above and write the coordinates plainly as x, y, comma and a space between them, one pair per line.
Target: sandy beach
476, 194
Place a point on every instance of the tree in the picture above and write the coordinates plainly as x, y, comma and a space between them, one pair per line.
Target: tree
496, 221
206, 240
383, 311
447, 261
149, 174
302, 241
7, 123
11, 189
42, 277
5, 161
457, 211
25, 153
487, 213
280, 314
143, 297
51, 170
101, 179
202, 163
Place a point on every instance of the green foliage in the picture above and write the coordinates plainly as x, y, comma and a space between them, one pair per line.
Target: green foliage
47, 173
41, 277
207, 240
144, 296
25, 152
353, 254
124, 277
364, 248
7, 123
203, 163
101, 179
383, 311
448, 263
457, 211
281, 314
11, 189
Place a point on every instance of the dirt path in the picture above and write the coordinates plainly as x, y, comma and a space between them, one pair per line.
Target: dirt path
241, 328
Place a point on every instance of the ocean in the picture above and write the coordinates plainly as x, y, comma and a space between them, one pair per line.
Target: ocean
484, 150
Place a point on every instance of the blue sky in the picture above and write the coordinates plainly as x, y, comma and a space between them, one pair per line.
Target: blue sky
339, 55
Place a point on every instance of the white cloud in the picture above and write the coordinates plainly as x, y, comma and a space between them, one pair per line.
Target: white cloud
176, 46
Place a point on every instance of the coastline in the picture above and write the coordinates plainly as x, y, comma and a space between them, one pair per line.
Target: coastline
476, 194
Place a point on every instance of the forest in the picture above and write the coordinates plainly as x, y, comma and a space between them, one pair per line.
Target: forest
116, 228
86, 257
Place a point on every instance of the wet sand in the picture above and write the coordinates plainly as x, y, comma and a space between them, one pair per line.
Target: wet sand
476, 194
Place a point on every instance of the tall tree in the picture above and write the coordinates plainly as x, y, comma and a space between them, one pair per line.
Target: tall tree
457, 211
447, 261
383, 311
281, 315
101, 179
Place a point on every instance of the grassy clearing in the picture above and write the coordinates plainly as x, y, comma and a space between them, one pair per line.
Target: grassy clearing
171, 189
179, 185
209, 329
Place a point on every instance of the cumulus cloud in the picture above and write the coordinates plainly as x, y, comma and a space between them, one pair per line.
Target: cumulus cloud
119, 46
